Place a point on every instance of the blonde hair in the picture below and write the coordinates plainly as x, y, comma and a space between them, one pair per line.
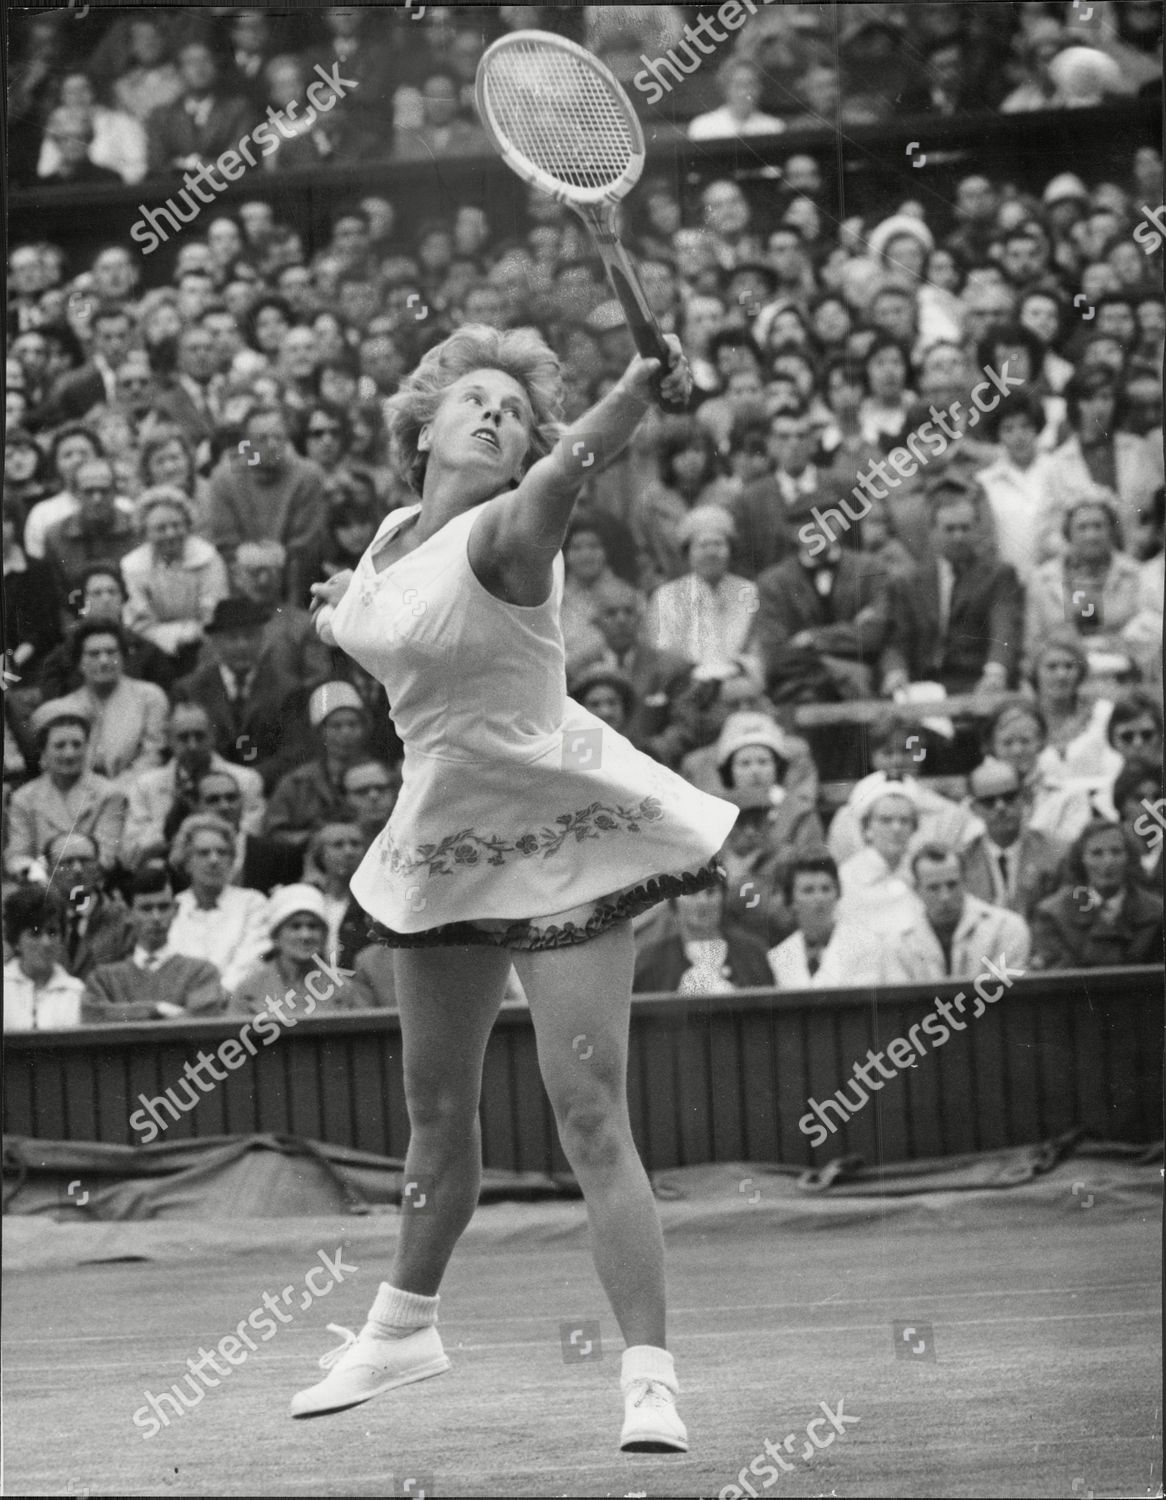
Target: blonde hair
518, 352
199, 823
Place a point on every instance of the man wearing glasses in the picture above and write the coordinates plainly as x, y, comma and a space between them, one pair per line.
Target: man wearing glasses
1009, 865
370, 788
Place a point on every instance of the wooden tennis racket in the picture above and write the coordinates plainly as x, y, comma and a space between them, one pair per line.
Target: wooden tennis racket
561, 120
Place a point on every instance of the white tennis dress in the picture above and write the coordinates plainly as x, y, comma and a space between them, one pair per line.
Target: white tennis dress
515, 802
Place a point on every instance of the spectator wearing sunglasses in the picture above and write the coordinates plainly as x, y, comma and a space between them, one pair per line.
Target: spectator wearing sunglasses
1008, 865
1135, 727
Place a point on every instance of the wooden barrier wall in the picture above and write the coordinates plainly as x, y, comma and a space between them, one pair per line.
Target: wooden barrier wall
722, 1078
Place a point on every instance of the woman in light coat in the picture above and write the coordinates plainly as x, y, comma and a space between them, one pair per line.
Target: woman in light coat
174, 579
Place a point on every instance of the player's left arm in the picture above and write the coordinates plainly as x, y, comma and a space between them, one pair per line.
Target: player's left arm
530, 523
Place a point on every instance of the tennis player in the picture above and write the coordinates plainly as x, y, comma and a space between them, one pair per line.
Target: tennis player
527, 832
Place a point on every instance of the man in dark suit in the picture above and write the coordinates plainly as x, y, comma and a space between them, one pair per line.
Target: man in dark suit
200, 126
818, 609
764, 509
958, 620
661, 680
1008, 865
246, 707
190, 398
97, 929
262, 863
703, 954
77, 391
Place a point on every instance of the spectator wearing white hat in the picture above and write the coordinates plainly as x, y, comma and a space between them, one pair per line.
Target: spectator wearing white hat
753, 754
708, 613
215, 920
954, 934
313, 794
174, 578
294, 979
65, 797
876, 882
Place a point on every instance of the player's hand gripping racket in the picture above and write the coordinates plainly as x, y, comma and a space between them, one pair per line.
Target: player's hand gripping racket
562, 122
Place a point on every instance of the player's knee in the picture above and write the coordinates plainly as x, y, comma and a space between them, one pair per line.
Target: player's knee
440, 1107
593, 1128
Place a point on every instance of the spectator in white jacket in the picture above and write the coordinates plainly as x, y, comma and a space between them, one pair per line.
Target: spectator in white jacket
223, 923
823, 953
956, 935
174, 578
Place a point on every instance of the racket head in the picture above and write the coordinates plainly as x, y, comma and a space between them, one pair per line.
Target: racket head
559, 118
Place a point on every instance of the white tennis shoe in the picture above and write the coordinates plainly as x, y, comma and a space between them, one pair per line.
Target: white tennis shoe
363, 1367
651, 1422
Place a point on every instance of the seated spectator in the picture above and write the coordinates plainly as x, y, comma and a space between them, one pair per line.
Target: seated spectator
167, 458
1077, 747
64, 798
755, 867
660, 680
1009, 864
174, 579
441, 133
311, 795
740, 83
215, 920
315, 138
817, 628
127, 718
294, 977
608, 694
1017, 482
689, 476
118, 144
876, 883
955, 933
705, 955
160, 800
70, 135
1140, 805
32, 605
38, 994
101, 595
191, 399
754, 754
72, 446
244, 700
277, 499
890, 748
332, 857
261, 863
879, 543
148, 79
289, 646
1103, 916
1098, 453
1016, 733
763, 509
958, 620
707, 614
154, 982
95, 927
203, 123
101, 530
1037, 47
823, 952
370, 788
1094, 587
1135, 727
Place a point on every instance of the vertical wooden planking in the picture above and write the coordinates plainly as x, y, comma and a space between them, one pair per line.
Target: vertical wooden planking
1017, 1014
892, 1103
986, 1042
853, 1035
694, 1085
757, 1094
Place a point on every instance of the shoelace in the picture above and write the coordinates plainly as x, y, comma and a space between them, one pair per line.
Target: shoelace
329, 1359
654, 1394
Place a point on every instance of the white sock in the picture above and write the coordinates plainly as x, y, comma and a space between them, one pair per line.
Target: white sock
648, 1362
396, 1314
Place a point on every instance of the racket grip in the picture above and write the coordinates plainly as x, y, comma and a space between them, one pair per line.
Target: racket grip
645, 332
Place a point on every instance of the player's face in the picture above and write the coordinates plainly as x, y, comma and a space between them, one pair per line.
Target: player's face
484, 425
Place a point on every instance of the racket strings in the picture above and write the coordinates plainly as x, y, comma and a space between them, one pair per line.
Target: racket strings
560, 115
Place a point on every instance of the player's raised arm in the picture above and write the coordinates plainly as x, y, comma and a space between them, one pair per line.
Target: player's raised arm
532, 521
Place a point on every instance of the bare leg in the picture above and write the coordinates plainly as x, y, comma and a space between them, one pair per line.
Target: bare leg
585, 992
449, 999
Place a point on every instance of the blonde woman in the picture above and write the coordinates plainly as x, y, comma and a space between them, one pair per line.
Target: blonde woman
526, 832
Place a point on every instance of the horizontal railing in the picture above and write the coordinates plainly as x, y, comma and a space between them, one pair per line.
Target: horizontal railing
716, 1078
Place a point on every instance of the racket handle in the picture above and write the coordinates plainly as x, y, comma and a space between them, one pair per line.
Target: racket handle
642, 324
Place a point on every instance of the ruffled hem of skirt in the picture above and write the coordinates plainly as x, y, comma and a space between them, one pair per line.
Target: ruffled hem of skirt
535, 934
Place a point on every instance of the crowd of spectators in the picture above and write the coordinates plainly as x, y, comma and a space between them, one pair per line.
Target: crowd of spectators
191, 776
